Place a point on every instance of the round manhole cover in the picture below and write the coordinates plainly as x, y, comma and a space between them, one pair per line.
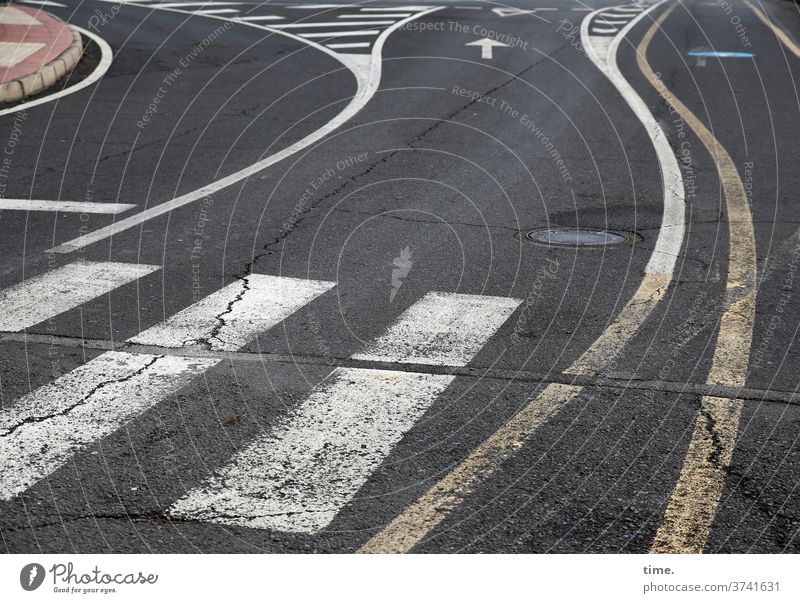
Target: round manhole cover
579, 237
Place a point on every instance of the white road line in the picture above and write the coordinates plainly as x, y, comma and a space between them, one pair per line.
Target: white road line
344, 45
217, 11
81, 207
340, 34
318, 6
42, 297
388, 9
45, 3
378, 16
367, 71
604, 22
260, 18
246, 308
604, 30
43, 430
416, 522
194, 4
328, 24
670, 236
300, 477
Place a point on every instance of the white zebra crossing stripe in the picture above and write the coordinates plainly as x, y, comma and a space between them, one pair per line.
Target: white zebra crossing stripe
443, 329
388, 9
300, 477
36, 299
233, 316
341, 34
260, 18
377, 16
328, 24
338, 46
43, 430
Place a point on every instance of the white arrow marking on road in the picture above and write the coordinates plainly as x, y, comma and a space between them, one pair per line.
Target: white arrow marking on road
486, 45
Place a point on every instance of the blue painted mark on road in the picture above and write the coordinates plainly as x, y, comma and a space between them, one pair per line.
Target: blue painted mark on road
722, 55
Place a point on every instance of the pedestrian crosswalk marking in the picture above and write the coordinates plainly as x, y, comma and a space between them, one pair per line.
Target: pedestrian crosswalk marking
340, 34
329, 24
41, 297
233, 316
43, 430
442, 328
260, 18
300, 477
341, 45
376, 16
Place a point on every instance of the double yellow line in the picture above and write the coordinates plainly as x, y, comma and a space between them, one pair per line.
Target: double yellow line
693, 505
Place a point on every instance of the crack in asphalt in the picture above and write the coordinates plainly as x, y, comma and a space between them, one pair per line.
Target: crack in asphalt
299, 216
65, 411
715, 456
439, 222
207, 341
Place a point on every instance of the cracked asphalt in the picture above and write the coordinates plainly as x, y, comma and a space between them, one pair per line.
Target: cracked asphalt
421, 190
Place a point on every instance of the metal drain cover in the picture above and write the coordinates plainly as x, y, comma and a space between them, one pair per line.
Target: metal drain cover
579, 237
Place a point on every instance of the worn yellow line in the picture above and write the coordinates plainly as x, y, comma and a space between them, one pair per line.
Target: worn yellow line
779, 33
413, 524
693, 504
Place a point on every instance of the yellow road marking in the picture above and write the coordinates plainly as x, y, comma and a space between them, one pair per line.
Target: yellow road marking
413, 524
779, 33
693, 505
695, 499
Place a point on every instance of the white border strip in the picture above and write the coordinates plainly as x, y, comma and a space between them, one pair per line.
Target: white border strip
673, 220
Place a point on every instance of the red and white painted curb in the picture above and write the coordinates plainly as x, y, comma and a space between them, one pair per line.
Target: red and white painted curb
36, 50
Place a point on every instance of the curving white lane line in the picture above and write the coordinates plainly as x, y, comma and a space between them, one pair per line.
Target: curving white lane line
106, 57
365, 68
603, 53
414, 524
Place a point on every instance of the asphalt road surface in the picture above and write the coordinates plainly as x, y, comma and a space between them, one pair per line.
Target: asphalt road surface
295, 306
